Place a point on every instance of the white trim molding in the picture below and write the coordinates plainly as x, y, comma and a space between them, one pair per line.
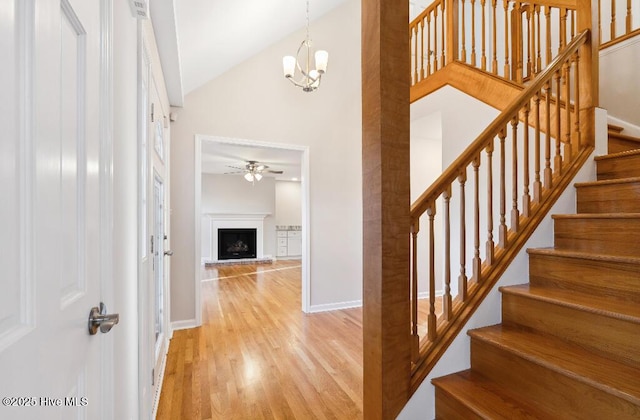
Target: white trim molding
335, 306
184, 325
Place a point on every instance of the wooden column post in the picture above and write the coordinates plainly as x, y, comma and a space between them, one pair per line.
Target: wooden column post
588, 13
386, 201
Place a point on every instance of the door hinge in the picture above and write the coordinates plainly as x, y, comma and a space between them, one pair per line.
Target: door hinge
153, 376
151, 244
152, 111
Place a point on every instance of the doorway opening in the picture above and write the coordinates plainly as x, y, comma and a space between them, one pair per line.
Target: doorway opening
220, 159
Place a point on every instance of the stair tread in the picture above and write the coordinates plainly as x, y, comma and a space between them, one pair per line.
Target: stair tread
629, 180
584, 255
614, 128
602, 305
616, 155
487, 398
597, 216
568, 359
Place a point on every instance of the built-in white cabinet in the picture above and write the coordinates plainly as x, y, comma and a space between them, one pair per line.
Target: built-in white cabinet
289, 241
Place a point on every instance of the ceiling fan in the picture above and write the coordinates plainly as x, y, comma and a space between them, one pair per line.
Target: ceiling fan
253, 170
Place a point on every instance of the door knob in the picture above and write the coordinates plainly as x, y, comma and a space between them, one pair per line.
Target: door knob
98, 318
168, 253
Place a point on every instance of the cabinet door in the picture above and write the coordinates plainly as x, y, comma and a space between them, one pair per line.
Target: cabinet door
294, 246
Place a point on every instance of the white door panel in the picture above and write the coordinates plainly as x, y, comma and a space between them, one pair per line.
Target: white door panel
50, 208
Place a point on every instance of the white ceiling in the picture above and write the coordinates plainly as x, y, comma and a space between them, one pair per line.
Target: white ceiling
217, 158
216, 35
198, 40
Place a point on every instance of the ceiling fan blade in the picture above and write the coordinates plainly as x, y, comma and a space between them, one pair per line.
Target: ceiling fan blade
235, 167
232, 173
276, 172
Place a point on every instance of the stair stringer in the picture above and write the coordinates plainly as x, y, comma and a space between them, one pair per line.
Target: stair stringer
457, 356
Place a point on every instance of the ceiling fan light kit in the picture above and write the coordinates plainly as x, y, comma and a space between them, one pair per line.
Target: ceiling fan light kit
253, 171
309, 78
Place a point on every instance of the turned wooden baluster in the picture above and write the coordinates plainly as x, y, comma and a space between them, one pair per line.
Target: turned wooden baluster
530, 42
435, 39
526, 197
473, 32
538, 64
447, 308
477, 263
613, 20
483, 59
415, 348
443, 56
548, 25
548, 173
503, 230
494, 61
573, 24
462, 278
558, 156
563, 29
537, 185
414, 47
431, 320
629, 19
428, 43
577, 100
600, 21
515, 216
507, 67
490, 243
568, 150
517, 41
422, 71
463, 51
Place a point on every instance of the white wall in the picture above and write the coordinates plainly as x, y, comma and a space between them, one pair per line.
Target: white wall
619, 87
288, 203
254, 101
232, 194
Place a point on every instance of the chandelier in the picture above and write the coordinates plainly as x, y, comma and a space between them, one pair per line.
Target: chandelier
307, 78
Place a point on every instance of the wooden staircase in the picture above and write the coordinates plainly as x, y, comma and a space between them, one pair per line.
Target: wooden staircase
569, 343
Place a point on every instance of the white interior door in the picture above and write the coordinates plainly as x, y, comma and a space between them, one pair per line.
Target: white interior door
51, 367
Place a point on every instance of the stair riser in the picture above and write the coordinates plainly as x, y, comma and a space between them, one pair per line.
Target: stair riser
609, 198
598, 235
546, 387
619, 167
616, 145
448, 407
621, 281
613, 338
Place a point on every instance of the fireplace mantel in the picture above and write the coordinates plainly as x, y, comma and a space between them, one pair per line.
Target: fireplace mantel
211, 222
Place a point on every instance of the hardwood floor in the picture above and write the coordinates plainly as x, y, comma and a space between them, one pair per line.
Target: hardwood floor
257, 356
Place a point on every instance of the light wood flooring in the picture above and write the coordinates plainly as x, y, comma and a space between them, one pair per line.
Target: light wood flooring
257, 356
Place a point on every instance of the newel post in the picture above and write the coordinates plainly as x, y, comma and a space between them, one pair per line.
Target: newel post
386, 203
588, 13
451, 11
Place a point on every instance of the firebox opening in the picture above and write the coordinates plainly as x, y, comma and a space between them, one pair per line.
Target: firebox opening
236, 243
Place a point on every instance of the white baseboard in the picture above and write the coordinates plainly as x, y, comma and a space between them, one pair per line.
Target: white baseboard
629, 129
335, 306
183, 325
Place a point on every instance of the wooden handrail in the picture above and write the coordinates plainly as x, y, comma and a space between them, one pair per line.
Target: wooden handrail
545, 136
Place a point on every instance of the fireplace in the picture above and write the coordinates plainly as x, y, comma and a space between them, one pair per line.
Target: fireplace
236, 243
